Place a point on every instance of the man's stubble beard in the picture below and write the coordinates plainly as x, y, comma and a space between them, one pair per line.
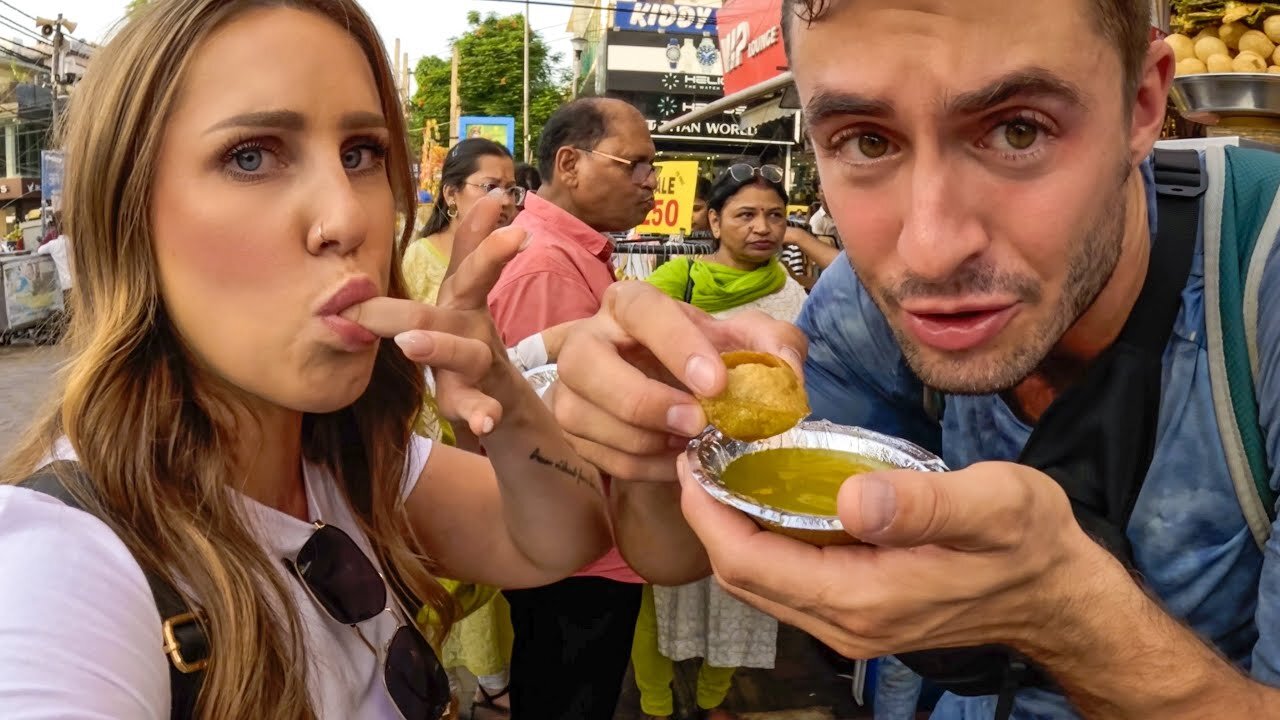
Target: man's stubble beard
1092, 260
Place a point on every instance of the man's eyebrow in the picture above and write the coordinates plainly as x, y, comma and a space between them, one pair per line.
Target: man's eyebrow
827, 104
291, 120
1030, 82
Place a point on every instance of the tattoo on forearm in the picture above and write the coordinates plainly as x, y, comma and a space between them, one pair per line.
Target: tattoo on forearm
565, 468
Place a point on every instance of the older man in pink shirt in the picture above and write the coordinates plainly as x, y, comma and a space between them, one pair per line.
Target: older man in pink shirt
573, 638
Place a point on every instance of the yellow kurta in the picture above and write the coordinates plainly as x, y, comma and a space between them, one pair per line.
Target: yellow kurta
424, 268
481, 641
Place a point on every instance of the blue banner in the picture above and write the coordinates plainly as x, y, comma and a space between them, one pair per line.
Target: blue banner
51, 178
665, 17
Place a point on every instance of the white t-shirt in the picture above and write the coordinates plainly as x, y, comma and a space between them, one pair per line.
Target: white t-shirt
822, 224
57, 249
80, 633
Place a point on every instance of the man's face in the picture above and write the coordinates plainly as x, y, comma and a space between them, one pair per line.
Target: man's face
699, 223
606, 190
973, 154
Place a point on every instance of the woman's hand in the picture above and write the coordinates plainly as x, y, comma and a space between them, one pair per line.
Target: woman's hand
457, 337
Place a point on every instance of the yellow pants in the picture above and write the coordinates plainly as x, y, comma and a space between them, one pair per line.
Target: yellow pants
654, 672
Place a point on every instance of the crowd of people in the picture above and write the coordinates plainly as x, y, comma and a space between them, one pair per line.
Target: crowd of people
297, 465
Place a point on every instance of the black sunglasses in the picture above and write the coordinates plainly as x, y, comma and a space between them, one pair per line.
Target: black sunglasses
342, 580
742, 172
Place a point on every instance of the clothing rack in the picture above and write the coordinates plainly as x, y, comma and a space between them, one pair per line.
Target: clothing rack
637, 259
680, 249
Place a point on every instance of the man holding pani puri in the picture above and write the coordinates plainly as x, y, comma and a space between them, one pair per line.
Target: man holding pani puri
999, 211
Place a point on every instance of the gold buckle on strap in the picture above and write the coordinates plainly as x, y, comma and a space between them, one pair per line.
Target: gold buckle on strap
173, 648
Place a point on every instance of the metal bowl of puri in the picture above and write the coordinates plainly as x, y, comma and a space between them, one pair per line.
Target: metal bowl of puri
788, 483
1209, 98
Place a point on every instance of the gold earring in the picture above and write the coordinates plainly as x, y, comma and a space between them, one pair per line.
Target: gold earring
451, 212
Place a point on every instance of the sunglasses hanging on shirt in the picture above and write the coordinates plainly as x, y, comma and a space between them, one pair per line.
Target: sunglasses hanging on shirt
346, 584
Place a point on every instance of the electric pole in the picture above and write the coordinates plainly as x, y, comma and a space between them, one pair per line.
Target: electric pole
54, 30
455, 104
525, 139
408, 79
395, 64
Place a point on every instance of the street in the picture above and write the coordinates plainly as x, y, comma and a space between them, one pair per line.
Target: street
26, 375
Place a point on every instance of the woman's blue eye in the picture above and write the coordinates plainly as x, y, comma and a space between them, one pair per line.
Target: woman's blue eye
352, 159
249, 159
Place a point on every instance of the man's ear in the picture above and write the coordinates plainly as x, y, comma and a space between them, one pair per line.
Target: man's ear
566, 165
1151, 101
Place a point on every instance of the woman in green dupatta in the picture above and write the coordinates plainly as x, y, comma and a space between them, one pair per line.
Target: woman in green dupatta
747, 213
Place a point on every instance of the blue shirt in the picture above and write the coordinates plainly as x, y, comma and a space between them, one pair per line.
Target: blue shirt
1189, 536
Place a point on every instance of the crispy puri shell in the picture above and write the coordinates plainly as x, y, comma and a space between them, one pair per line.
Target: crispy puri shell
763, 398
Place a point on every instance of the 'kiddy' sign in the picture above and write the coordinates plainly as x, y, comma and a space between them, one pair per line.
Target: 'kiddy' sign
665, 17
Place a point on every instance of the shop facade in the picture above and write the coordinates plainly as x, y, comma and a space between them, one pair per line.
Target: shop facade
666, 59
756, 101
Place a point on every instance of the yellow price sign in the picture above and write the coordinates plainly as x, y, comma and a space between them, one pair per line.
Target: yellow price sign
673, 199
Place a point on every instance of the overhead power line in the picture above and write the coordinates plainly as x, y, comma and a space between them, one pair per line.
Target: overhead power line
32, 18
545, 3
21, 27
19, 10
17, 56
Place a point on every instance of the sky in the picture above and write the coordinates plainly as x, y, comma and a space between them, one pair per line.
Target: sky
423, 26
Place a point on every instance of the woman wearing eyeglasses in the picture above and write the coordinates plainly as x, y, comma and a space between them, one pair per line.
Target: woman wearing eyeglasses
472, 169
747, 214
230, 516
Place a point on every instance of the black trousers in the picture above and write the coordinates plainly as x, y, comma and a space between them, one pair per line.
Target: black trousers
572, 646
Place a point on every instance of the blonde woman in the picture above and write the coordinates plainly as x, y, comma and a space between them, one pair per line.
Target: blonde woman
234, 418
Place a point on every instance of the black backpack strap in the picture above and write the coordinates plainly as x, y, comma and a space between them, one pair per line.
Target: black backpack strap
185, 642
1179, 185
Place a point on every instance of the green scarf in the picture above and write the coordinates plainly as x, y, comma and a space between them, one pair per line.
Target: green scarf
716, 287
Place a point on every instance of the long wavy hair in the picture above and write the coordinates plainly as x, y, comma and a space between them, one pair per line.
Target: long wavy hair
152, 431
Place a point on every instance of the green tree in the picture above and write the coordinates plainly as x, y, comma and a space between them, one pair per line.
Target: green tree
491, 72
134, 6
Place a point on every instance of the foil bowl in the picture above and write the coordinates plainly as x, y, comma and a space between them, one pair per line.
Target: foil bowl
541, 378
710, 453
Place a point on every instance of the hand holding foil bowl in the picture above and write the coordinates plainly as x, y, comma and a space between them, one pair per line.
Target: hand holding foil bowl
788, 482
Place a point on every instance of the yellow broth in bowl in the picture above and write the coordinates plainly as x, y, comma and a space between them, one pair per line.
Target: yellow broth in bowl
797, 480
788, 483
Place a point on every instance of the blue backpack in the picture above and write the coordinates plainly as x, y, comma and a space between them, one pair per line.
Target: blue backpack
1240, 220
